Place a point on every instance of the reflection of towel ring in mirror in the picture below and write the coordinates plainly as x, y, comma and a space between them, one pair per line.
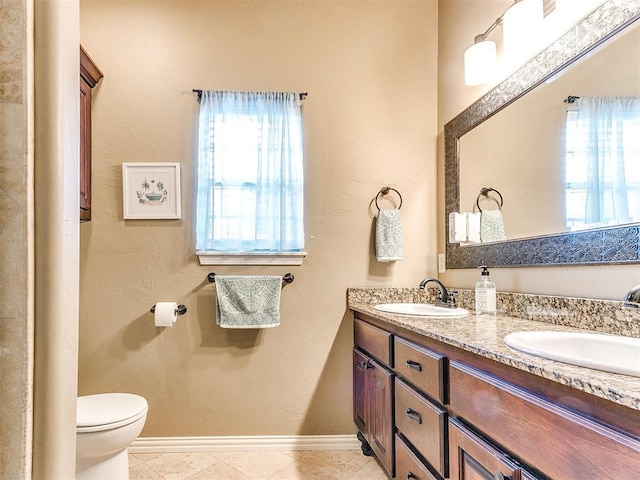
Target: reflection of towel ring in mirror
484, 192
384, 191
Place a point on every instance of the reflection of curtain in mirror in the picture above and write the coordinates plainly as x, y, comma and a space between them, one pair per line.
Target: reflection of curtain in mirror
602, 154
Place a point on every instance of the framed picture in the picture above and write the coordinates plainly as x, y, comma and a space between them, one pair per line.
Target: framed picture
151, 190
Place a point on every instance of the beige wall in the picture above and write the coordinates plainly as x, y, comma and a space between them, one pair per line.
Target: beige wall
370, 120
16, 313
458, 22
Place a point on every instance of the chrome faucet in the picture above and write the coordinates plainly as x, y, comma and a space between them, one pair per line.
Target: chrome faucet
445, 298
632, 298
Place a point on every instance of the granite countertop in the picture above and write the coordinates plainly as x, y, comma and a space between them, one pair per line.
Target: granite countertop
484, 334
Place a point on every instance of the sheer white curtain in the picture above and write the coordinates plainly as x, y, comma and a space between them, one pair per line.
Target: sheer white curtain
603, 161
250, 173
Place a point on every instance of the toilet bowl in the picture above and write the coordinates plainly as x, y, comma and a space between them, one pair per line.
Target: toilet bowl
106, 425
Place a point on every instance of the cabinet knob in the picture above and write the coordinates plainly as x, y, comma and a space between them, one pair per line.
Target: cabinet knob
414, 365
500, 476
363, 365
413, 415
410, 475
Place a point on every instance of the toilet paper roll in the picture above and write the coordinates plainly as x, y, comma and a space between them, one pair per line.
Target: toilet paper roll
165, 314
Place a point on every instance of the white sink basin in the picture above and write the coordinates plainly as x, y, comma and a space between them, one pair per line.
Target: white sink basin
611, 353
421, 309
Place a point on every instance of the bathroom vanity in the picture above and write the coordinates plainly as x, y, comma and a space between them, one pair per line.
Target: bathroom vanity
446, 398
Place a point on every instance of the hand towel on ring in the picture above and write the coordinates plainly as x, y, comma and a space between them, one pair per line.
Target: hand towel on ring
491, 226
388, 236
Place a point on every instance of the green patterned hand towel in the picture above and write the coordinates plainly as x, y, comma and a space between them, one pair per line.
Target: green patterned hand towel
491, 226
389, 236
248, 301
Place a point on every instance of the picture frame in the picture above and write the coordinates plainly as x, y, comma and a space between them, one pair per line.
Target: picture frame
151, 190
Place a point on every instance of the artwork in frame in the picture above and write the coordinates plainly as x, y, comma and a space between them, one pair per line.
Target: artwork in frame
151, 190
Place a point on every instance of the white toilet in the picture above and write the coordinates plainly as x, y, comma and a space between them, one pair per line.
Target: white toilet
106, 425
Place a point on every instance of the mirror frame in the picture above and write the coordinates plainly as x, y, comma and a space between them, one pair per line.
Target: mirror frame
612, 245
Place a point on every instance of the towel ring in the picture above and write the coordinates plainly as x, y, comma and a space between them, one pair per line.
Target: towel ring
484, 192
384, 191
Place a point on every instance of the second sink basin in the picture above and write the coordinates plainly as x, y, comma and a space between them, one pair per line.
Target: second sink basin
610, 353
421, 309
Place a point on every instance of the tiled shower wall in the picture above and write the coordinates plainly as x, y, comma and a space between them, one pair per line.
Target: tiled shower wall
15, 331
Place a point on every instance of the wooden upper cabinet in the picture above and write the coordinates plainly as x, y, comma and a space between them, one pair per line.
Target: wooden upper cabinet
90, 75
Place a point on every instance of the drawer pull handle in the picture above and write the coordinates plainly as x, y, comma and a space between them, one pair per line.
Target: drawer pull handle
500, 476
413, 415
410, 475
414, 365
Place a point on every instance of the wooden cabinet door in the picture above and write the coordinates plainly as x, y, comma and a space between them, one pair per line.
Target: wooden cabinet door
90, 75
381, 414
360, 410
373, 406
557, 442
472, 458
85, 151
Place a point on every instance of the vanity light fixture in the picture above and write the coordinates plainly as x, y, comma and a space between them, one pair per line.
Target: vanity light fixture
480, 59
519, 24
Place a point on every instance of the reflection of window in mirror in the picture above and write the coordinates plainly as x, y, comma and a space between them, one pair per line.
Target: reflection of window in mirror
602, 162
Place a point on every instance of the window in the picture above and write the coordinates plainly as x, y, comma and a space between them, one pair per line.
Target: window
250, 175
602, 162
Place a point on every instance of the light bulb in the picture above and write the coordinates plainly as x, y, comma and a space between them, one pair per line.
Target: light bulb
521, 25
479, 62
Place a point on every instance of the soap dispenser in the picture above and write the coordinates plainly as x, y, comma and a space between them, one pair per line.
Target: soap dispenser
485, 293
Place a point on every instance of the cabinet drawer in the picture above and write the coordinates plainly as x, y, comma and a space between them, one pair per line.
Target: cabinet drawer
373, 340
474, 458
408, 466
422, 367
556, 441
424, 425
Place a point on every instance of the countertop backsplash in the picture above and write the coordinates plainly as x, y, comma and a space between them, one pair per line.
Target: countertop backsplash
605, 316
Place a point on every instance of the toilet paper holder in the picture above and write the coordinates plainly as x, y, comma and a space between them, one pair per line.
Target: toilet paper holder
181, 310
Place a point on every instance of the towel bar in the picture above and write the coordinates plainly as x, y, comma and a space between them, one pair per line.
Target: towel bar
181, 310
287, 277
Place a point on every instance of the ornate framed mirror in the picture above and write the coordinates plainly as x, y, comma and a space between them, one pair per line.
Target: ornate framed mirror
617, 244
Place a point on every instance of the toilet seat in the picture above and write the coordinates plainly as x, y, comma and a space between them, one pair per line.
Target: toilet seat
106, 411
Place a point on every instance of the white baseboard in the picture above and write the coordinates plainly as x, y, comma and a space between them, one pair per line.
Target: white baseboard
243, 443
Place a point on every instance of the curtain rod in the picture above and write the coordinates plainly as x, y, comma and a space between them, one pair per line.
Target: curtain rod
571, 99
199, 93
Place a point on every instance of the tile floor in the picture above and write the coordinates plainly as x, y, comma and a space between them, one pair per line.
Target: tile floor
291, 465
